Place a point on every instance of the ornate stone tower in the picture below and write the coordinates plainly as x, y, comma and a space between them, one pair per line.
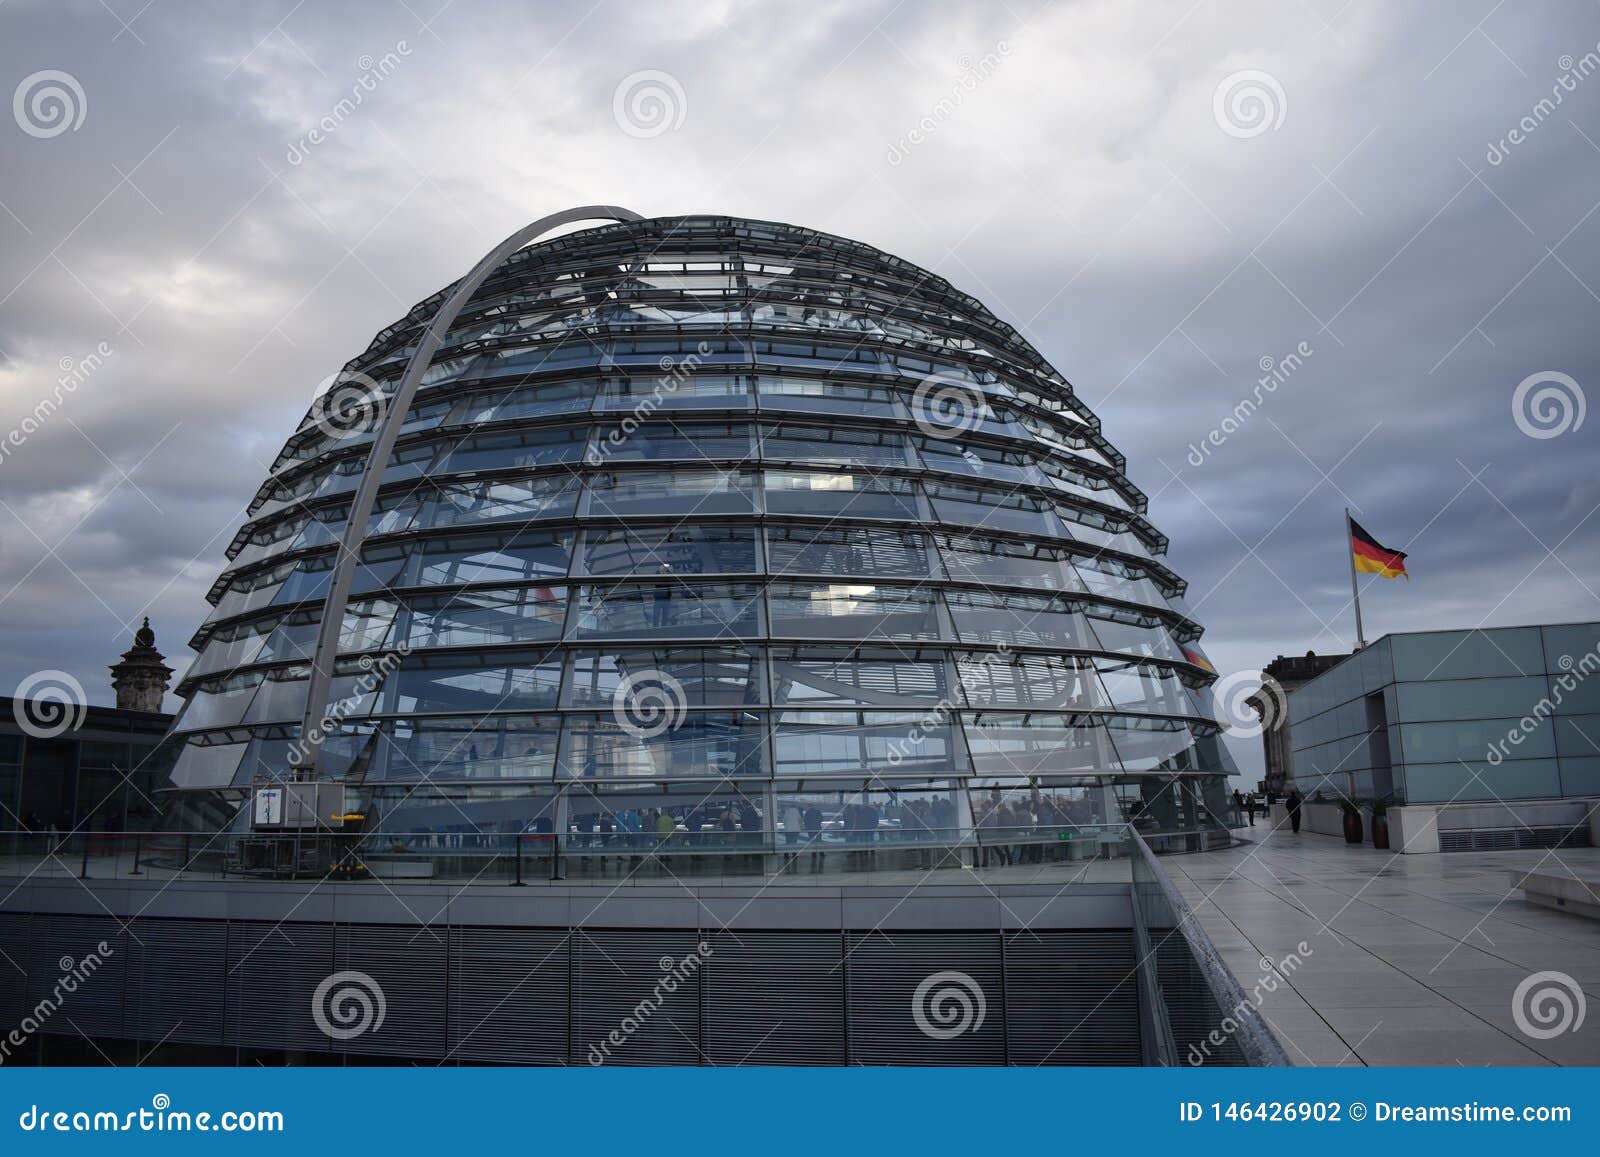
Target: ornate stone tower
141, 679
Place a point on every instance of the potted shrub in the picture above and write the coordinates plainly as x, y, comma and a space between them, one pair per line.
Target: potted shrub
1380, 824
1352, 822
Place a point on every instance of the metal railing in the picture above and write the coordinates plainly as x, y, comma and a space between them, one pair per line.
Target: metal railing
525, 857
1161, 914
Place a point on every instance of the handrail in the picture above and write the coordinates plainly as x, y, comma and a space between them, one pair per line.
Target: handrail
1255, 1039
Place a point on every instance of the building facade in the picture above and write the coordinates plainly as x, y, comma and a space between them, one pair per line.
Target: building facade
718, 520
106, 773
1455, 717
1284, 674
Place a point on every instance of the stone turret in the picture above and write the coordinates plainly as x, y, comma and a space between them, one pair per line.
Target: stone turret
141, 679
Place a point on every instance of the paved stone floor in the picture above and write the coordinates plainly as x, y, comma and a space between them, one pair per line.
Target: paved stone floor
1414, 960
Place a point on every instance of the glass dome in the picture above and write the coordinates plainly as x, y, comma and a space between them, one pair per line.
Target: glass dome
707, 509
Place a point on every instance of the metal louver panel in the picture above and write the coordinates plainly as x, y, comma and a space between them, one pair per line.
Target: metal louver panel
960, 978
65, 946
273, 973
1072, 998
406, 965
775, 998
1191, 1009
509, 994
177, 974
15, 963
615, 977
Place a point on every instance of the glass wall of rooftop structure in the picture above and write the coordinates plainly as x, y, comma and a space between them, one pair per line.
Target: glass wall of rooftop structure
1510, 713
726, 519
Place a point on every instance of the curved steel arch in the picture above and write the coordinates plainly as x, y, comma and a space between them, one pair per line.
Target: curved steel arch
306, 750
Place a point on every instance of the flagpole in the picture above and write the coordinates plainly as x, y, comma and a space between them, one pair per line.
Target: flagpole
1355, 591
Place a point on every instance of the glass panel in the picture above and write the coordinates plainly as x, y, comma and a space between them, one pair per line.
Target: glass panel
484, 618
702, 744
1578, 735
864, 743
282, 697
1478, 780
528, 401
670, 551
630, 815
817, 395
848, 611
232, 647
977, 461
854, 551
657, 441
1008, 679
508, 747
911, 814
1105, 576
1473, 739
845, 446
806, 678
1145, 687
1134, 638
486, 558
474, 685
1151, 744
1029, 620
366, 624
525, 498
995, 509
220, 702
308, 581
671, 610
1468, 654
706, 391
1033, 745
514, 449
994, 560
1470, 698
724, 677
856, 495
682, 492
206, 766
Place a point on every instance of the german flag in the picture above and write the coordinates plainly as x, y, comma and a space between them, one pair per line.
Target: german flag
1372, 557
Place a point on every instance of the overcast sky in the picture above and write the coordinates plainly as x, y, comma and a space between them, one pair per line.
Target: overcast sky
1158, 197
